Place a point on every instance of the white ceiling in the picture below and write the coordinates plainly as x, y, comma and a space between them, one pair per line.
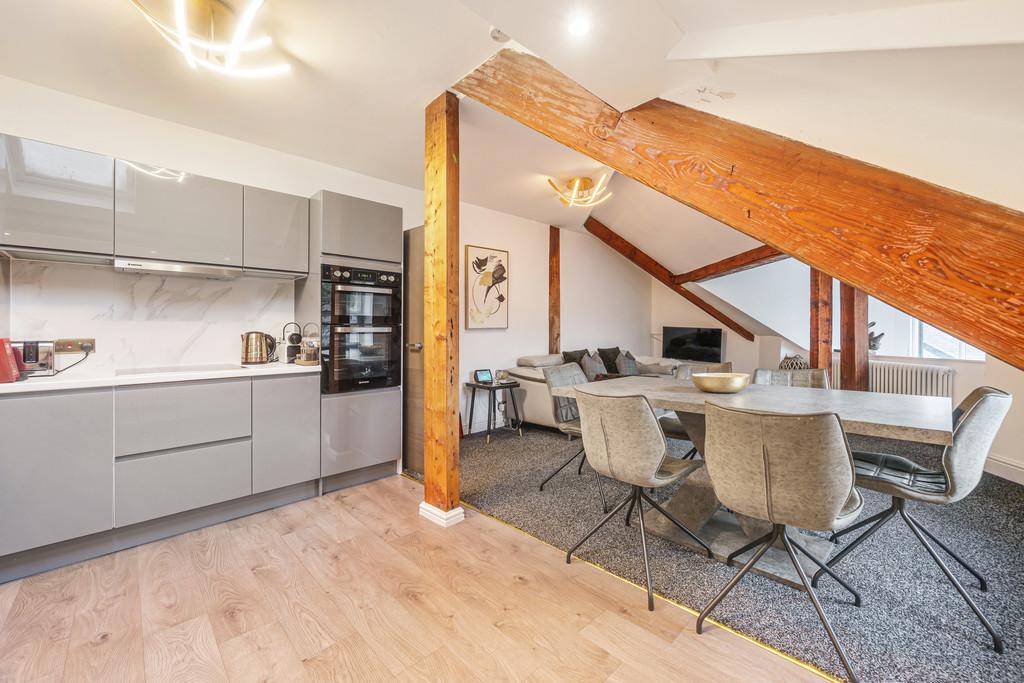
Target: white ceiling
678, 237
364, 71
505, 166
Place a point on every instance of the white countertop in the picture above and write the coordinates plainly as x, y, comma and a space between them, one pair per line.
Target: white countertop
68, 381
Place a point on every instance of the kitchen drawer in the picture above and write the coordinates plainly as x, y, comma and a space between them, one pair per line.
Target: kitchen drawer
359, 429
151, 486
155, 417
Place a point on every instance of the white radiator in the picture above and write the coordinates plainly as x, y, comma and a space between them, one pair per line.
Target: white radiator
892, 377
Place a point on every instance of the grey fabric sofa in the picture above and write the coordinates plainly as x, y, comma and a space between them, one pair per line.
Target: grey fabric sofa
534, 398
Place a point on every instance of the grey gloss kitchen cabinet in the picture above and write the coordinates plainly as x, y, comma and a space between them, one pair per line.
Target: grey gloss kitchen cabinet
56, 467
55, 198
285, 431
193, 220
275, 230
359, 430
358, 227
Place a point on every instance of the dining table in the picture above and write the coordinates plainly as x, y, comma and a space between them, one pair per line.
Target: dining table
901, 417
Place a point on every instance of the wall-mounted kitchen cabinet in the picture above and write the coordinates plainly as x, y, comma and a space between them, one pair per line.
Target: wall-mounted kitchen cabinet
55, 198
173, 216
351, 226
56, 469
276, 232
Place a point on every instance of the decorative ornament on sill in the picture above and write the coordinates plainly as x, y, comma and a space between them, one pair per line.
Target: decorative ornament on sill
583, 191
209, 53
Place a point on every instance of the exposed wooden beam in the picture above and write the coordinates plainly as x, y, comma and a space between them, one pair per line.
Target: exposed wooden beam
660, 273
554, 290
441, 309
821, 320
734, 264
954, 261
853, 343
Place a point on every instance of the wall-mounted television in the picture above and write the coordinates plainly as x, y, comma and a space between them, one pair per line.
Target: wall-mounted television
692, 343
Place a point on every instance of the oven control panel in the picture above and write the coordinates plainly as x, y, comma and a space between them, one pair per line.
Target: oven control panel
360, 276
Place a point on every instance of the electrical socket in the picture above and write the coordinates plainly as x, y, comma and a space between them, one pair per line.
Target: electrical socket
74, 345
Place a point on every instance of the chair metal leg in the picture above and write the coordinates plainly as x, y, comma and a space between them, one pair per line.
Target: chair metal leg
629, 512
638, 494
882, 518
579, 470
824, 568
736, 579
600, 488
981, 579
997, 641
560, 468
817, 608
753, 544
691, 454
836, 535
604, 520
675, 521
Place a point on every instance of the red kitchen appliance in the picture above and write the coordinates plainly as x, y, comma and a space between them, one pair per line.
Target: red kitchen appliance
9, 366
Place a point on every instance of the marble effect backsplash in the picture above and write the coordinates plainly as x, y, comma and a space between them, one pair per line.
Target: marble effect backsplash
142, 320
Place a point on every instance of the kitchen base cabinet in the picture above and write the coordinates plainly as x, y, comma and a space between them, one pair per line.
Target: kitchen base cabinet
285, 431
56, 466
157, 484
359, 429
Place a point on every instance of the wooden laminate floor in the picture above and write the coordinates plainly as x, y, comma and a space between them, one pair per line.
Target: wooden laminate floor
355, 586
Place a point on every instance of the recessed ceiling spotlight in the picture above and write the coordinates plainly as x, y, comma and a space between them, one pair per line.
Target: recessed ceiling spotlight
499, 36
579, 25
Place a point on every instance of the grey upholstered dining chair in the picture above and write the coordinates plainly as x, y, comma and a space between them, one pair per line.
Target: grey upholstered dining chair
790, 470
567, 417
815, 378
625, 443
670, 424
975, 423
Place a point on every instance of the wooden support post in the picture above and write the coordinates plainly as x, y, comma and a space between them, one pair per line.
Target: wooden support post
821, 320
441, 313
554, 290
853, 345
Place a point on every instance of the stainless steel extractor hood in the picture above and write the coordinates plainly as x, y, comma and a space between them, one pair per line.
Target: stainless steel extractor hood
129, 265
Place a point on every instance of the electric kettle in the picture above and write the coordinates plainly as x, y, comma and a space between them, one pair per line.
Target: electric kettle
258, 347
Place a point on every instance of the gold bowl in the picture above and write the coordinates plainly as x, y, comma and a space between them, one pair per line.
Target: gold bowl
721, 382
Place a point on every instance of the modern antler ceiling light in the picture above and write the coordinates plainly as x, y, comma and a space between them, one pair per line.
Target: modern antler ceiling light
583, 191
219, 56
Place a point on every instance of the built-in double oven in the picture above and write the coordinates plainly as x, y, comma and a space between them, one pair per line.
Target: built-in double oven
361, 328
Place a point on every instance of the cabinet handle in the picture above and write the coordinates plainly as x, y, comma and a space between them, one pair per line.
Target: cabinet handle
417, 347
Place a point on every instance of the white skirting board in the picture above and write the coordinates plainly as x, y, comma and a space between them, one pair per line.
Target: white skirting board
1005, 468
440, 517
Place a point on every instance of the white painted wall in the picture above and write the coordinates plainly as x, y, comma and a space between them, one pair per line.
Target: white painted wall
527, 244
605, 299
668, 309
776, 294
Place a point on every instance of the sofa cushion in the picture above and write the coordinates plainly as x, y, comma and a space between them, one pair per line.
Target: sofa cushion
592, 366
573, 356
655, 368
609, 357
626, 364
540, 361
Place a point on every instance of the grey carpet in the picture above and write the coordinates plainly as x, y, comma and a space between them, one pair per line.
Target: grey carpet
912, 626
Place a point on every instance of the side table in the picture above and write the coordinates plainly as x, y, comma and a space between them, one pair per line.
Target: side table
492, 390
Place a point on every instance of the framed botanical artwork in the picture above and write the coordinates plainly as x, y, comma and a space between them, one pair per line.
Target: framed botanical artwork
486, 288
